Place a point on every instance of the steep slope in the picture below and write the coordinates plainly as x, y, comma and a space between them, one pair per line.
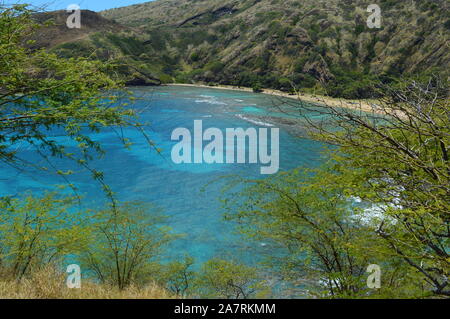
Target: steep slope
99, 38
58, 32
270, 43
275, 42
164, 12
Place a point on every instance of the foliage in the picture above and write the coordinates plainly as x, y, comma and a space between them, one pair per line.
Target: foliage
35, 231
328, 243
215, 66
128, 45
226, 279
303, 81
395, 163
400, 163
257, 88
178, 277
260, 42
126, 244
285, 84
41, 93
352, 84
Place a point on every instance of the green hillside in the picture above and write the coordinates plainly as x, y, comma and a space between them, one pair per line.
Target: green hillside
275, 44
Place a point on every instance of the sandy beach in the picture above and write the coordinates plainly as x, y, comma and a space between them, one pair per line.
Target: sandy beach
363, 105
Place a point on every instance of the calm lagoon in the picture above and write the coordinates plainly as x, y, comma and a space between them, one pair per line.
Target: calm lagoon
179, 190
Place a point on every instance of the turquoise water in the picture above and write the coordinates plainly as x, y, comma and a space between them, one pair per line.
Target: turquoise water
142, 174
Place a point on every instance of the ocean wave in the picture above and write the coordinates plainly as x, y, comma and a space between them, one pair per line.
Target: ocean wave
242, 117
210, 101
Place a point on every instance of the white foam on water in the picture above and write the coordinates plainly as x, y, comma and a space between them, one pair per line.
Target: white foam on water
242, 117
210, 100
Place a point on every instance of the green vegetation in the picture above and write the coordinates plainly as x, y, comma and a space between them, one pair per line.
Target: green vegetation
258, 42
126, 244
37, 231
382, 198
225, 279
252, 42
352, 85
40, 91
257, 87
120, 246
397, 166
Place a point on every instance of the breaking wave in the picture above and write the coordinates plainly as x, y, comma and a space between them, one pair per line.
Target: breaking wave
242, 117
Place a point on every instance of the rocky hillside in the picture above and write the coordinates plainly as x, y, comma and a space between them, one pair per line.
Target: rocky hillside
57, 32
100, 38
274, 43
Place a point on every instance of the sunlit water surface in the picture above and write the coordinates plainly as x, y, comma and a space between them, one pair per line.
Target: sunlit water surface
142, 174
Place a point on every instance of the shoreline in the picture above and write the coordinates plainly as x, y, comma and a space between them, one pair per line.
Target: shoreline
359, 105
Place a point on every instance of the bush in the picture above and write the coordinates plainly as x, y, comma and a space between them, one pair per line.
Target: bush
126, 244
225, 279
182, 78
215, 67
302, 80
352, 85
285, 84
35, 231
359, 28
194, 57
447, 24
165, 79
257, 88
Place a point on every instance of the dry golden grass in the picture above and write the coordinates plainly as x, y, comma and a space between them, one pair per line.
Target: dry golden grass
51, 284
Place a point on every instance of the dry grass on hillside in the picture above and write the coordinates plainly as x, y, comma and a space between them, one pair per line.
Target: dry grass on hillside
50, 284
